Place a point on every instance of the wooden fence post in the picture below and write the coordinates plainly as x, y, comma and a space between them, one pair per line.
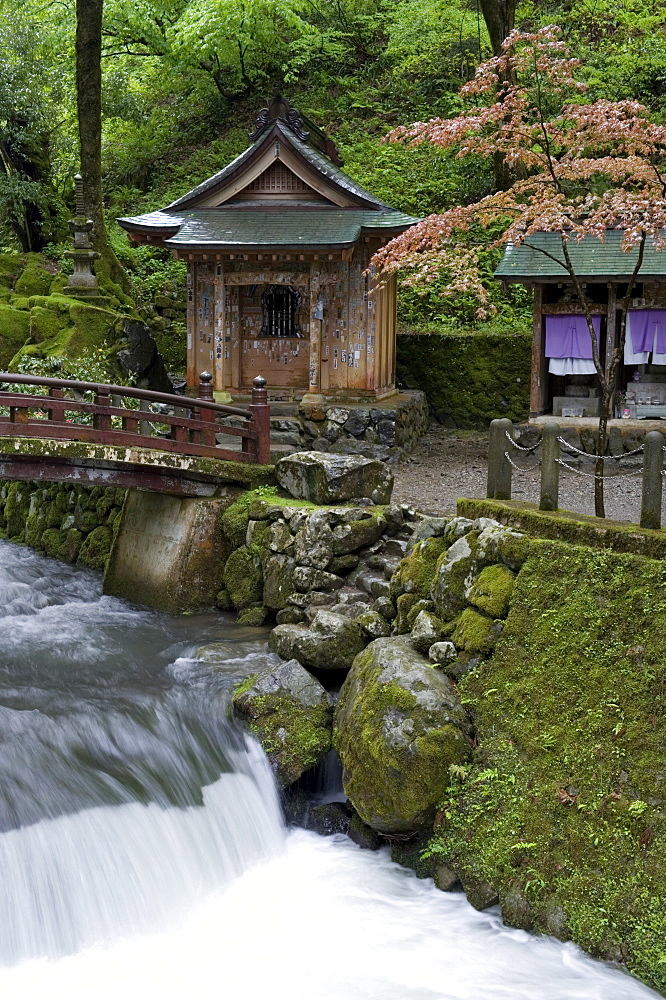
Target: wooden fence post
499, 468
550, 469
653, 463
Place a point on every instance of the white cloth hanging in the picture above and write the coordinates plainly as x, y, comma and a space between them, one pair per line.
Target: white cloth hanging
571, 366
631, 356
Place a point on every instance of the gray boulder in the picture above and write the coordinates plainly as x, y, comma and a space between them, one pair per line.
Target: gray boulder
426, 631
313, 545
325, 478
399, 726
330, 643
290, 712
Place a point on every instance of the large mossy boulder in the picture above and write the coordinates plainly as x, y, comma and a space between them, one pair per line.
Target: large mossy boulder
330, 643
324, 478
399, 726
291, 714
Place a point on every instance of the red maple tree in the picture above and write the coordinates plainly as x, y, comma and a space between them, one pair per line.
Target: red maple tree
579, 168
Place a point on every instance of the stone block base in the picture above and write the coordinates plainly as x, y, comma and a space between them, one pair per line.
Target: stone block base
169, 551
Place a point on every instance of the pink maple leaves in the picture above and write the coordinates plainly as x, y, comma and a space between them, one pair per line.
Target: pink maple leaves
579, 168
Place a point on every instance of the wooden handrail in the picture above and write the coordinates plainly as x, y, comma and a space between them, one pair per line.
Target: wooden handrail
124, 390
192, 432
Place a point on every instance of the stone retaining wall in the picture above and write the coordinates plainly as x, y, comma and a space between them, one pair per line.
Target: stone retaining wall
386, 431
65, 521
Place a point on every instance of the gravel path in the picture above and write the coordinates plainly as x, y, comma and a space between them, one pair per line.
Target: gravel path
449, 464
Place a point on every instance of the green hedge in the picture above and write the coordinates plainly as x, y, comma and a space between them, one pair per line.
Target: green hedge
468, 378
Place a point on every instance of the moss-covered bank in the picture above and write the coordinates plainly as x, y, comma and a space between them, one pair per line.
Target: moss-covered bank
562, 810
469, 379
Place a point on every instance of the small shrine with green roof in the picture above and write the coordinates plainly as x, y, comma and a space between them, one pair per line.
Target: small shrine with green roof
563, 379
278, 245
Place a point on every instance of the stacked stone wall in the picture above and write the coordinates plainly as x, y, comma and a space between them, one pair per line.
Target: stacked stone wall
66, 521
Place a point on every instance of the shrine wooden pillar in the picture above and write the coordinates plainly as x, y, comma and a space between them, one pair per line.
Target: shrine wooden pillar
539, 375
315, 326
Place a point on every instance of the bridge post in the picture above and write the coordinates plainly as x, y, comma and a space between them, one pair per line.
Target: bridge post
203, 413
102, 421
56, 412
145, 426
261, 421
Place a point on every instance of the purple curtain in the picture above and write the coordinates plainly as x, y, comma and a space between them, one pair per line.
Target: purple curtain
569, 337
648, 330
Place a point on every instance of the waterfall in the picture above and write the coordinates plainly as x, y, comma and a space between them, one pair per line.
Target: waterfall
142, 851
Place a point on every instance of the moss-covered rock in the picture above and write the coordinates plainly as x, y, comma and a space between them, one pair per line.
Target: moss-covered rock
237, 516
70, 545
243, 577
253, 616
51, 542
14, 331
96, 548
399, 726
331, 478
475, 633
374, 625
330, 643
491, 590
563, 809
34, 279
415, 573
454, 574
356, 534
17, 509
11, 265
426, 631
291, 714
46, 324
34, 528
278, 570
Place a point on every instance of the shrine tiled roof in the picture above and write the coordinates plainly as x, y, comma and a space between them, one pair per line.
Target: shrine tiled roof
242, 228
533, 260
317, 160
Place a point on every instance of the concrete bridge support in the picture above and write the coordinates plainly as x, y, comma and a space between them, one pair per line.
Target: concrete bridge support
169, 551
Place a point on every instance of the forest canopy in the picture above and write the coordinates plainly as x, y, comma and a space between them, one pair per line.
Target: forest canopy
182, 81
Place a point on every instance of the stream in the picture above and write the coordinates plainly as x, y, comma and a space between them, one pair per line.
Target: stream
142, 848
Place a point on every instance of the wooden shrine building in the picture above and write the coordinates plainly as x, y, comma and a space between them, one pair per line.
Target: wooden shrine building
277, 244
563, 378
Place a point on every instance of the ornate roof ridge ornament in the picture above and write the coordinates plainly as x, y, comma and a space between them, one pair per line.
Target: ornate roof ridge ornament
280, 110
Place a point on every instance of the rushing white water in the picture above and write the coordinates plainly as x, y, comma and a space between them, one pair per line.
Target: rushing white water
142, 852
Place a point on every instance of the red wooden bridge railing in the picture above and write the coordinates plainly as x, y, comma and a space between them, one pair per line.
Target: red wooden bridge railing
183, 425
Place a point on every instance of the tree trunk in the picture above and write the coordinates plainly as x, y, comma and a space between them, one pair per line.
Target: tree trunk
500, 16
89, 107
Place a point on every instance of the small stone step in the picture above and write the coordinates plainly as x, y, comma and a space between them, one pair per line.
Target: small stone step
278, 451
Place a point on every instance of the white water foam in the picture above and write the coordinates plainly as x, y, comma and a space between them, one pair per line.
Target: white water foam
107, 872
327, 921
